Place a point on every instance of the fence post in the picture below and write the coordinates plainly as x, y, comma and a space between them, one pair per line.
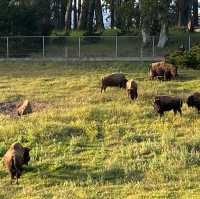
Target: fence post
153, 50
141, 52
79, 47
116, 46
189, 42
7, 47
43, 47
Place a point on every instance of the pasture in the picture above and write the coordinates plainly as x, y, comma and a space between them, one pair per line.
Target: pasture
91, 145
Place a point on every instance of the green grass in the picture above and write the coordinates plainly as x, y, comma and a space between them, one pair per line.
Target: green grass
91, 145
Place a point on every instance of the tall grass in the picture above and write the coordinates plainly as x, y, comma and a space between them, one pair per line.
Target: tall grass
91, 145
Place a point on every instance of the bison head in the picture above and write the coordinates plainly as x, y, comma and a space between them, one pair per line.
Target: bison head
190, 101
133, 94
123, 83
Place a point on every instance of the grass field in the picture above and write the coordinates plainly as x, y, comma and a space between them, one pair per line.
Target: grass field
91, 145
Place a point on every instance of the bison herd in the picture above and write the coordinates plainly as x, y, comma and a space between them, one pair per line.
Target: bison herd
18, 155
163, 103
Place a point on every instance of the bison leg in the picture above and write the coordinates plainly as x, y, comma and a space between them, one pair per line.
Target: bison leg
12, 176
103, 88
128, 93
179, 110
161, 113
175, 111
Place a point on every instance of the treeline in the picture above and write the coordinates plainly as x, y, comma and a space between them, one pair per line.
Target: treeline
151, 17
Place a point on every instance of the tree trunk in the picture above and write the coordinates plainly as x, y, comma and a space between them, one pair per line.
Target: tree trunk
79, 9
163, 36
144, 20
62, 15
146, 38
184, 12
90, 18
75, 15
82, 24
112, 13
68, 15
99, 16
195, 13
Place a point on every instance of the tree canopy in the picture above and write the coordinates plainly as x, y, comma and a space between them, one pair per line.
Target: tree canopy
149, 17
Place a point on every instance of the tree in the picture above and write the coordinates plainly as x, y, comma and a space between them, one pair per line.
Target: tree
91, 8
195, 13
68, 14
184, 11
163, 8
99, 16
75, 17
148, 10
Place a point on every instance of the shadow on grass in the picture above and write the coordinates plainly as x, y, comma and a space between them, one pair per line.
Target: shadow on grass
186, 77
74, 172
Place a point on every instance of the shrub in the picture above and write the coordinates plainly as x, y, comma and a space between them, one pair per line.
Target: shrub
190, 59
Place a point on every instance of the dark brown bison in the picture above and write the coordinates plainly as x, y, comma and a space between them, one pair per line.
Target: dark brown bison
113, 80
165, 103
162, 70
15, 158
194, 101
131, 88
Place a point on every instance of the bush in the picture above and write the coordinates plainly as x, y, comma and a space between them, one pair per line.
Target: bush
186, 59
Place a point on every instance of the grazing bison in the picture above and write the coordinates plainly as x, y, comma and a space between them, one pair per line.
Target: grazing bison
166, 103
131, 88
162, 70
194, 101
14, 158
113, 80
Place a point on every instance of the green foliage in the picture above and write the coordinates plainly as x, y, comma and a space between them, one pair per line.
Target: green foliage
59, 33
24, 18
186, 59
2, 149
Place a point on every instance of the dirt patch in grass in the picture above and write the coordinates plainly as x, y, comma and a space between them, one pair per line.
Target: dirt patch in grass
10, 108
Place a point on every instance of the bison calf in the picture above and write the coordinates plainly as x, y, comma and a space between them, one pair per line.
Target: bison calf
194, 101
166, 103
131, 88
113, 80
14, 158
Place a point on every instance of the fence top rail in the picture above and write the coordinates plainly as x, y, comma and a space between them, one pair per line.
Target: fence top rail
100, 36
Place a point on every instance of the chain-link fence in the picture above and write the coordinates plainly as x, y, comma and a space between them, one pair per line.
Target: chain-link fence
102, 47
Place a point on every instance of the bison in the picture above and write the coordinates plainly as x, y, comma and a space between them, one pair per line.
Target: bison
15, 158
194, 101
131, 88
113, 80
165, 103
162, 70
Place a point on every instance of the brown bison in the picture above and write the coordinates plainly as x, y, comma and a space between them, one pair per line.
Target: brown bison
14, 158
131, 88
194, 101
113, 80
24, 108
162, 70
165, 103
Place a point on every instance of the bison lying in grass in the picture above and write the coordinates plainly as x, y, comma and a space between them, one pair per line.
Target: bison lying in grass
165, 103
162, 70
131, 88
113, 80
14, 158
194, 101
